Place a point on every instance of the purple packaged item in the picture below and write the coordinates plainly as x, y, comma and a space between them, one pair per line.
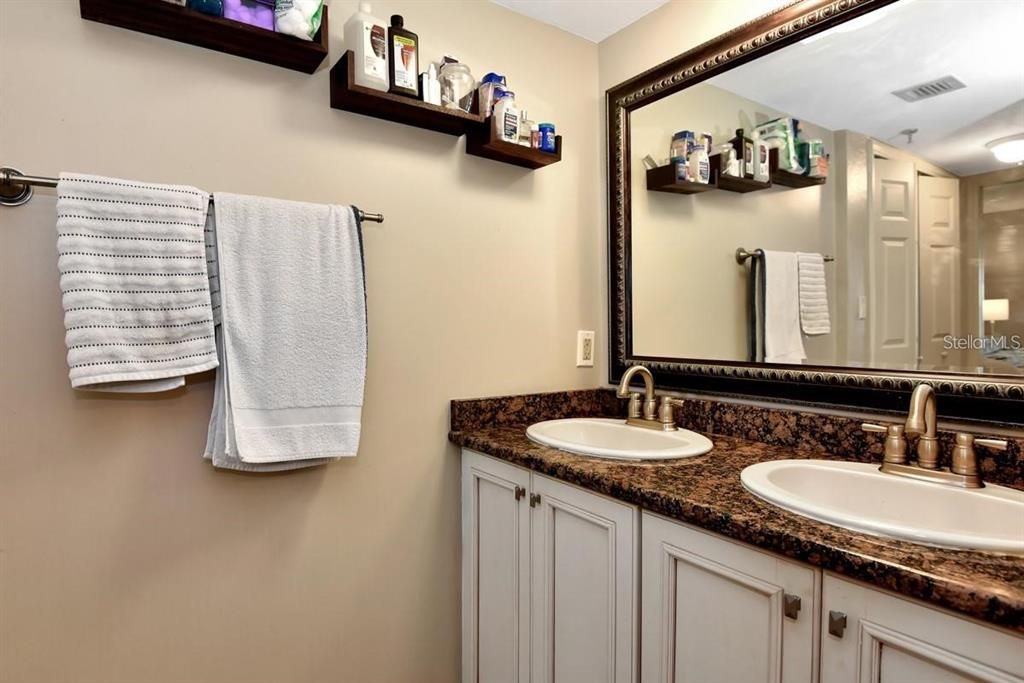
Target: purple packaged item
255, 12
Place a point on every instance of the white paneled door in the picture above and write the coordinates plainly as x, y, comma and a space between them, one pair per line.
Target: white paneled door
584, 586
939, 247
715, 611
495, 571
893, 306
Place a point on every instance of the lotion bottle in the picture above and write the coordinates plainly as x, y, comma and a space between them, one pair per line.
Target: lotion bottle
506, 118
367, 37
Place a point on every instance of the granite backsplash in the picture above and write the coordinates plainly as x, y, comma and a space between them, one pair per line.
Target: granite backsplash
826, 435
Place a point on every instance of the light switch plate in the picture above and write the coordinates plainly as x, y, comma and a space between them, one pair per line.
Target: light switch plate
585, 349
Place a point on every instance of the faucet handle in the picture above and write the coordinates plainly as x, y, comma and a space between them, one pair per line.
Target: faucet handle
895, 441
994, 444
634, 404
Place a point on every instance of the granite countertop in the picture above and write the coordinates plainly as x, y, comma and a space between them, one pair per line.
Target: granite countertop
706, 491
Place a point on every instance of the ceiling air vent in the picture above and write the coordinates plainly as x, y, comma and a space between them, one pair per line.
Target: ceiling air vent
922, 91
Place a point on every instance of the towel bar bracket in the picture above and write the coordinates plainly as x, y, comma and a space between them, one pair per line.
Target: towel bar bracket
13, 193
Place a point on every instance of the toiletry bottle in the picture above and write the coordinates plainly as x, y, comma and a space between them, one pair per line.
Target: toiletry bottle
367, 37
677, 152
489, 87
506, 118
744, 147
403, 58
761, 171
699, 164
534, 135
547, 137
525, 128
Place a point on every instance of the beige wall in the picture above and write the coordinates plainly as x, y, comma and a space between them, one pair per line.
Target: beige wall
689, 295
672, 29
126, 558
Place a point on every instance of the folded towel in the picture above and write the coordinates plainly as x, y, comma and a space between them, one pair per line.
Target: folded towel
814, 317
782, 340
292, 337
134, 283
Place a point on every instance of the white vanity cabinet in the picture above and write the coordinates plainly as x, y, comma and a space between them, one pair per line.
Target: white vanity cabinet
716, 611
549, 579
890, 639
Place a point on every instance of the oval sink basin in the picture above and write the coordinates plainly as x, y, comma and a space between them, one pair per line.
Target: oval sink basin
859, 497
610, 438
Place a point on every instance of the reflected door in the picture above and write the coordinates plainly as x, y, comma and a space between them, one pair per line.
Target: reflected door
939, 210
893, 308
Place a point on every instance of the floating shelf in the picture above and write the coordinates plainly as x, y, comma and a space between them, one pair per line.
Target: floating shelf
174, 22
348, 96
663, 179
788, 178
731, 183
480, 142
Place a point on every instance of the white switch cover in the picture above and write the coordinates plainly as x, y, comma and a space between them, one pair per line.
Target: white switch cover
585, 349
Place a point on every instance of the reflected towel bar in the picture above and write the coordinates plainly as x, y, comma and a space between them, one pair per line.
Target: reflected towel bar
16, 189
742, 255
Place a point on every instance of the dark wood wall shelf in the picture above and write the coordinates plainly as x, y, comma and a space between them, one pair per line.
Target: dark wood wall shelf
732, 183
480, 142
788, 178
663, 179
166, 20
348, 96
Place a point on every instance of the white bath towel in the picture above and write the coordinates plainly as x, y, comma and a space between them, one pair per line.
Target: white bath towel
292, 337
814, 318
134, 283
782, 340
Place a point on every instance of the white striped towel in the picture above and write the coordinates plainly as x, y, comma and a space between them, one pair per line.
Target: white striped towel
814, 318
133, 279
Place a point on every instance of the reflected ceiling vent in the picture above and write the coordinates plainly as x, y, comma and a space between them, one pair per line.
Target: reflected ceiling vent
922, 91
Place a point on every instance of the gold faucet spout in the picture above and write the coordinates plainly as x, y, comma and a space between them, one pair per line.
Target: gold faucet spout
921, 421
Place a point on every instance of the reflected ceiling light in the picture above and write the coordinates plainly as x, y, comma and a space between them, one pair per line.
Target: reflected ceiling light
1009, 150
855, 24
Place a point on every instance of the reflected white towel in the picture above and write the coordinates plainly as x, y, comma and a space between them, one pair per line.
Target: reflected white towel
292, 336
782, 340
134, 284
814, 318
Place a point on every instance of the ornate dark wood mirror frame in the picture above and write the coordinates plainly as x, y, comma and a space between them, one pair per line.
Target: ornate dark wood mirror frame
987, 398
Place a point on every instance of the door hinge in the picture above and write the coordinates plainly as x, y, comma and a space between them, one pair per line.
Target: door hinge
534, 500
520, 492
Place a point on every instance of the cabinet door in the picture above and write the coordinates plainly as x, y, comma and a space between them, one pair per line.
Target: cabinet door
495, 571
889, 639
714, 611
584, 586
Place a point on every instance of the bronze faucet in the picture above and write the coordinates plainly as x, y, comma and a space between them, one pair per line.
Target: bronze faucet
654, 416
923, 421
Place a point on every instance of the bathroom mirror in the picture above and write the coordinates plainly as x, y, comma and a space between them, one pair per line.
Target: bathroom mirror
827, 205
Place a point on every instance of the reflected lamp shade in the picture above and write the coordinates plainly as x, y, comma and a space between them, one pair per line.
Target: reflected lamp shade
994, 310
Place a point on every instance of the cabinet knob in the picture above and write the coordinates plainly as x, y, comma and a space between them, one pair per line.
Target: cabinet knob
520, 492
791, 605
836, 623
534, 500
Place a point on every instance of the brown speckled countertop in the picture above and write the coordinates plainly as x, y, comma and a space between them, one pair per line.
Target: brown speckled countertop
706, 491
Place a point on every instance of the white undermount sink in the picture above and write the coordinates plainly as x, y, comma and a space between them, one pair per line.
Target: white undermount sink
858, 496
609, 438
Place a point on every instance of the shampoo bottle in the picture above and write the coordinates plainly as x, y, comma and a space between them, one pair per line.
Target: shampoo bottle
367, 37
403, 58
